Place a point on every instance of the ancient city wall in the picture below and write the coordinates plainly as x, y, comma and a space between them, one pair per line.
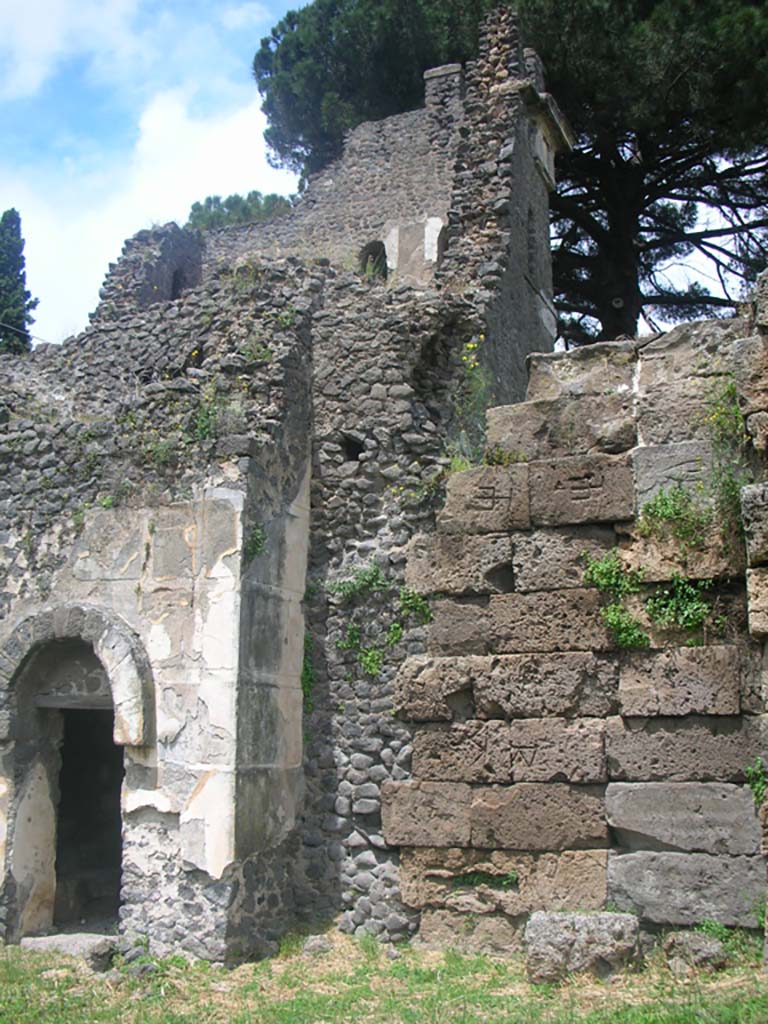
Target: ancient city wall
563, 760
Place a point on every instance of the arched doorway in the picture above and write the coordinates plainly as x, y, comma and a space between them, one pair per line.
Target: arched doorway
75, 690
67, 847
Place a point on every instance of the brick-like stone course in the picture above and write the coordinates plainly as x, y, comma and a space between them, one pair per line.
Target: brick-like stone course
591, 489
682, 681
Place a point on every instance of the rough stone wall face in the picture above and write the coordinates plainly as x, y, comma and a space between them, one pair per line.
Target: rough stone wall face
554, 768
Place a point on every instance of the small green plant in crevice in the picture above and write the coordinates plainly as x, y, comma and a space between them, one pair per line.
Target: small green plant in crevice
681, 603
255, 543
307, 675
740, 944
625, 628
394, 634
473, 397
414, 604
730, 471
256, 352
676, 513
370, 580
475, 878
106, 501
351, 640
757, 781
370, 660
611, 576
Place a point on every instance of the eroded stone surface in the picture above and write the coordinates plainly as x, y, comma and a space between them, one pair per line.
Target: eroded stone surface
490, 499
751, 372
592, 489
691, 749
425, 813
506, 686
560, 944
601, 369
469, 933
561, 427
538, 816
455, 564
665, 466
555, 559
757, 597
561, 621
754, 513
689, 817
682, 681
482, 881
685, 888
524, 750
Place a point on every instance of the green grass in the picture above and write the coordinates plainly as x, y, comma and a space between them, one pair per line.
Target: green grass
357, 982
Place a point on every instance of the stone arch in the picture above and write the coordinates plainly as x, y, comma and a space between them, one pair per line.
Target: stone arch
116, 646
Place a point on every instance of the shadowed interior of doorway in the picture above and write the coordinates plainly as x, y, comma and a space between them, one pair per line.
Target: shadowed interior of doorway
88, 835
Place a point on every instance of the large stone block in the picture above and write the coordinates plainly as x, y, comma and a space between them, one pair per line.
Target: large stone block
751, 372
754, 514
590, 489
602, 369
554, 559
538, 685
485, 881
470, 933
687, 888
506, 686
525, 750
560, 944
660, 558
459, 628
490, 499
704, 349
691, 817
538, 816
425, 813
677, 411
683, 750
664, 466
545, 621
757, 597
458, 564
564, 426
682, 681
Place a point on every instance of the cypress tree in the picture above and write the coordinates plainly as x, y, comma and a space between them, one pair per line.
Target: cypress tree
16, 303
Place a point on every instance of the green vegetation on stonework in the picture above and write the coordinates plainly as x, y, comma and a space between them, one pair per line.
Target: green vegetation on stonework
307, 674
680, 603
474, 878
369, 580
357, 982
626, 629
255, 543
739, 943
611, 576
730, 471
414, 604
755, 774
675, 513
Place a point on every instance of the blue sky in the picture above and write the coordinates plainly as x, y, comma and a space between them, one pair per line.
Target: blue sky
119, 114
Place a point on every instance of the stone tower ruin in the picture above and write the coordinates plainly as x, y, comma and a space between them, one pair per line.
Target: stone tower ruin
230, 699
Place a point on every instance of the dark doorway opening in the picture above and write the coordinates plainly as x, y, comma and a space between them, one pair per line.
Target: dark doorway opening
88, 834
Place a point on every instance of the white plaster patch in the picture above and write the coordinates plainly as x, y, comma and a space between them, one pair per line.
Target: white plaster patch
150, 798
34, 852
432, 230
217, 622
392, 246
218, 691
159, 644
207, 824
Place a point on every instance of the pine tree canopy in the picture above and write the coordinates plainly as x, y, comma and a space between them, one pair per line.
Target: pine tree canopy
667, 101
215, 212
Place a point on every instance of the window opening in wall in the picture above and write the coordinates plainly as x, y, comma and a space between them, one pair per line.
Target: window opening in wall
353, 446
89, 826
372, 261
178, 284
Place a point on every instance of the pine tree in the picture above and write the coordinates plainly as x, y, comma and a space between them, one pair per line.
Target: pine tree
16, 303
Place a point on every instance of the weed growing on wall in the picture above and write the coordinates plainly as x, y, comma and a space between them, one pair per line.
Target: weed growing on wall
370, 651
255, 543
625, 628
307, 675
471, 879
730, 471
681, 604
675, 513
757, 780
612, 577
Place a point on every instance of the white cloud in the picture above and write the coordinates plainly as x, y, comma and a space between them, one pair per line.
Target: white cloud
74, 227
244, 15
36, 35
